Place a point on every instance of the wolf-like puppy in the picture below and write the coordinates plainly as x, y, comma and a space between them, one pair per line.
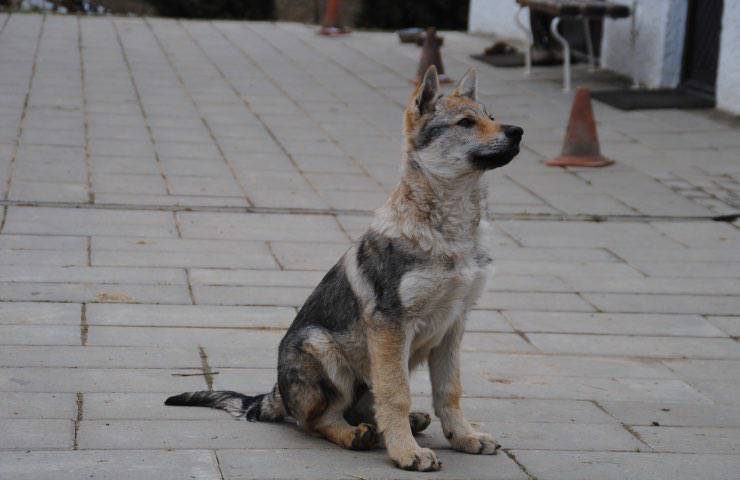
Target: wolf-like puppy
397, 298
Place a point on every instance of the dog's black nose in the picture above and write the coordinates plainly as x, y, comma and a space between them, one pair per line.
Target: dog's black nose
512, 132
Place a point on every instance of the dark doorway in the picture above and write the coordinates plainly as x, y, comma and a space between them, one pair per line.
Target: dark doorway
701, 50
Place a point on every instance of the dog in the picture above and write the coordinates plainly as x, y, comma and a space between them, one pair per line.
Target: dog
397, 298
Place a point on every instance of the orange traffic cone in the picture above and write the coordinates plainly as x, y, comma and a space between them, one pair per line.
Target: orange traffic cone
430, 55
332, 26
581, 144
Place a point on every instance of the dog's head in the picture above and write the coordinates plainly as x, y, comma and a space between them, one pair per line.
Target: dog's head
453, 135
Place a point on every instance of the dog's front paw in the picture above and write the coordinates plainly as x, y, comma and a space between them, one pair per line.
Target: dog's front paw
477, 443
418, 459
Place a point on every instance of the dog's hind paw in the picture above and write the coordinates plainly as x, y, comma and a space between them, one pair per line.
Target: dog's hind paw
419, 459
478, 443
419, 421
366, 437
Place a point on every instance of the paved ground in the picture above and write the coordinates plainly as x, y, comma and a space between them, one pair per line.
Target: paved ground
173, 190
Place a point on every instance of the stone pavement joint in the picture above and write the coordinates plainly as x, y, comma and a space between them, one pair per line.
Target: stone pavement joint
207, 372
729, 218
79, 401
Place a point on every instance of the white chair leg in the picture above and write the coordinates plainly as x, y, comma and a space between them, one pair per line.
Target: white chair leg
566, 52
529, 39
589, 45
633, 47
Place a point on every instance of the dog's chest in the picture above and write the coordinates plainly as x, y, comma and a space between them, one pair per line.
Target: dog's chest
435, 297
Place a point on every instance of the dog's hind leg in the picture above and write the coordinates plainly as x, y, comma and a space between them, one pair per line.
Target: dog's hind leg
335, 428
320, 386
419, 421
363, 412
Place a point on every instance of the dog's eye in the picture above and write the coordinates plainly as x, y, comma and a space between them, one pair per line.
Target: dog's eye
466, 122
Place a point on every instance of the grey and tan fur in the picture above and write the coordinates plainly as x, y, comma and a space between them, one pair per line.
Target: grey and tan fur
397, 298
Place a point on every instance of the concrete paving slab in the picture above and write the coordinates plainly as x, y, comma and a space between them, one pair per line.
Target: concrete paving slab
525, 410
73, 380
564, 302
60, 221
270, 278
673, 415
619, 466
93, 275
705, 369
496, 342
229, 226
581, 365
715, 440
308, 256
192, 434
612, 323
550, 436
212, 316
25, 434
37, 406
142, 406
486, 321
44, 258
30, 313
40, 334
344, 464
666, 285
102, 293
681, 347
730, 325
72, 465
659, 303
575, 388
720, 391
250, 295
182, 337
590, 235
88, 356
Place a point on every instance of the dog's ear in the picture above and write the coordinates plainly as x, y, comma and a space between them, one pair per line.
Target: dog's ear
425, 95
468, 86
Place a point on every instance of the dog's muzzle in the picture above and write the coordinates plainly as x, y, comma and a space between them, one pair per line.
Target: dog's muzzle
503, 152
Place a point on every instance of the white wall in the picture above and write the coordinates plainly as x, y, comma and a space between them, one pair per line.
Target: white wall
661, 25
728, 76
495, 17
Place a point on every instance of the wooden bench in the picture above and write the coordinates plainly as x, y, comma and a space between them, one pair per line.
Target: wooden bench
584, 9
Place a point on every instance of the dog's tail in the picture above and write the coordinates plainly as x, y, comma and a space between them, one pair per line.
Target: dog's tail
267, 407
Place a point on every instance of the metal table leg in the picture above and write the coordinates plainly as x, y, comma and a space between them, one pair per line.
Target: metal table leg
530, 41
566, 52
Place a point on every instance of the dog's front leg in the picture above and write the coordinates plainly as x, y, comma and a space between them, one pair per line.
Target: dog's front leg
444, 368
389, 357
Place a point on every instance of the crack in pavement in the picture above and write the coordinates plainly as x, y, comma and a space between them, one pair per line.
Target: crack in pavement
332, 211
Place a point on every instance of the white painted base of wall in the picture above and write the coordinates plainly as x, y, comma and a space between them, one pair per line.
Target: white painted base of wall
496, 17
659, 46
728, 76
